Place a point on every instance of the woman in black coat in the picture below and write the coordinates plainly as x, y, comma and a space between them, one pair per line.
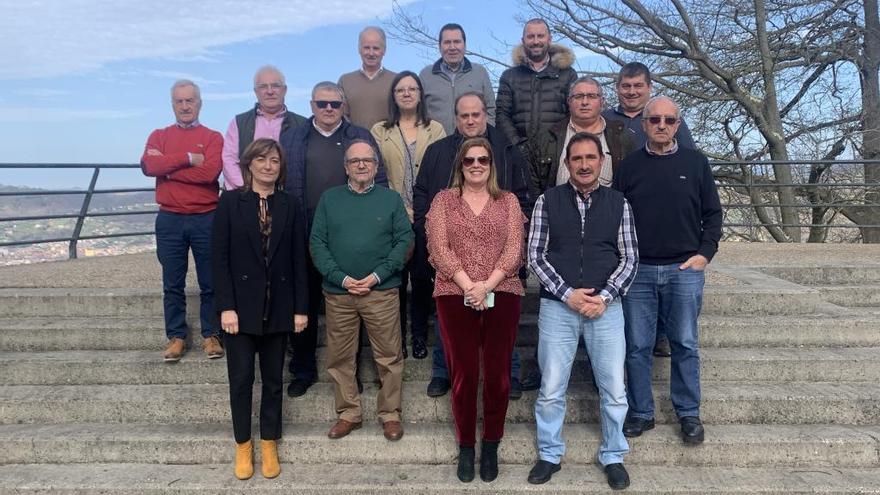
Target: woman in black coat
260, 292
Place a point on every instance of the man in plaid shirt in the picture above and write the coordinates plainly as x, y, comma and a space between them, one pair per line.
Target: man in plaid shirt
583, 248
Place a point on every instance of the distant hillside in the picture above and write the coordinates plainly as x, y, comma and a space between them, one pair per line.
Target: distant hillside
69, 203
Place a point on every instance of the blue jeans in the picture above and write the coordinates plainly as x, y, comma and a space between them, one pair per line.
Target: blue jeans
176, 234
438, 358
674, 297
559, 329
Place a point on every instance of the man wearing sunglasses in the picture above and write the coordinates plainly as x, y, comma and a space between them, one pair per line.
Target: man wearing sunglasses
268, 119
314, 152
678, 222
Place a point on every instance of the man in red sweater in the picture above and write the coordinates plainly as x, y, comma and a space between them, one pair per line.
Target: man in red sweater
185, 160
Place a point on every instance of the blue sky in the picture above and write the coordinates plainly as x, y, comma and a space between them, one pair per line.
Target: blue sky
87, 80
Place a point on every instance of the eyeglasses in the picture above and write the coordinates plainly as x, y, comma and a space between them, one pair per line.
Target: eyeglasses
468, 161
265, 87
401, 91
335, 104
654, 120
589, 96
356, 161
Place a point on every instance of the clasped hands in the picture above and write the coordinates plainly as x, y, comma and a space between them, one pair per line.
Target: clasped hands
359, 287
475, 295
582, 301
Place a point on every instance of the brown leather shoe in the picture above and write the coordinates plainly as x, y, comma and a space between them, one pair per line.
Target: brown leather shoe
174, 350
393, 430
342, 428
212, 347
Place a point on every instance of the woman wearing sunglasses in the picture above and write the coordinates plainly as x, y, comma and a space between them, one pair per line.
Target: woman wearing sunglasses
402, 141
261, 291
475, 241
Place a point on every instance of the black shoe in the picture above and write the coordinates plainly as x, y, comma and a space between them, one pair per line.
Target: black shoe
438, 387
466, 464
634, 427
420, 350
661, 347
542, 472
617, 477
298, 387
692, 431
488, 461
532, 381
515, 389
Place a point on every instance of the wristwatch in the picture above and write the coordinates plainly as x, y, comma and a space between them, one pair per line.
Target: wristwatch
606, 299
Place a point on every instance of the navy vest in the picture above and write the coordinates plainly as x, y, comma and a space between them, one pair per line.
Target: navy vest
247, 124
583, 260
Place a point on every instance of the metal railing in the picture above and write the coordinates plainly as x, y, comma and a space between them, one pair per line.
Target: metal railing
84, 213
737, 182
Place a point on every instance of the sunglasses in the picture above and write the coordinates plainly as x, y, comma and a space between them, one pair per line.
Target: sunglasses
468, 161
667, 120
335, 104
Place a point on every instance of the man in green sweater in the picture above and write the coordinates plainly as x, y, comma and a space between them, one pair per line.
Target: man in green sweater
360, 240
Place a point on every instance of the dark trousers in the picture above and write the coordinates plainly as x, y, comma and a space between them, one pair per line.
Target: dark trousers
176, 234
419, 305
303, 344
470, 335
241, 349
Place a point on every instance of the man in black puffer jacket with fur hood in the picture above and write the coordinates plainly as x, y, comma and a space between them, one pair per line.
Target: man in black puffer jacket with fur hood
532, 94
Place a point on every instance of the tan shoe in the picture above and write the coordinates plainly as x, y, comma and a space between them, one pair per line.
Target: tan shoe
244, 460
393, 430
212, 347
174, 350
342, 428
269, 451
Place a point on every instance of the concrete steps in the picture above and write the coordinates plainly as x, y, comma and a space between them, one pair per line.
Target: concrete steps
790, 379
832, 327
726, 445
723, 403
102, 367
138, 479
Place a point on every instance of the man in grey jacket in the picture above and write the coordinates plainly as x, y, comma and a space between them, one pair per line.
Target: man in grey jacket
454, 75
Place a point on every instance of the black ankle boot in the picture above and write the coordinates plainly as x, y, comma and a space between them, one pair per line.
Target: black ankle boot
488, 460
466, 464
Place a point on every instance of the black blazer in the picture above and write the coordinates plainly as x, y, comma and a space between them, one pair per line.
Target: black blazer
240, 273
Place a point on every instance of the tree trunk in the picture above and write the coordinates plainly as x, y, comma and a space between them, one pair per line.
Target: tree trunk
868, 72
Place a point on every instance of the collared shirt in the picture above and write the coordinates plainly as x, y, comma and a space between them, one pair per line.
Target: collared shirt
365, 191
544, 64
539, 239
673, 150
191, 125
607, 173
323, 132
265, 126
375, 74
449, 71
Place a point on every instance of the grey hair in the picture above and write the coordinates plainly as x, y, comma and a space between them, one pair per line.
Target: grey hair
182, 83
585, 80
269, 68
375, 29
660, 98
364, 141
328, 85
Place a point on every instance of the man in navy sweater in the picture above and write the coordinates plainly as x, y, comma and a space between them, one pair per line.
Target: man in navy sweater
678, 222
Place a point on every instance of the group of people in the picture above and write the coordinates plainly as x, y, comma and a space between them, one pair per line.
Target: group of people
403, 180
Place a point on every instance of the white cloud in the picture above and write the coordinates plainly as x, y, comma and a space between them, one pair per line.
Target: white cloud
44, 39
20, 115
45, 93
244, 95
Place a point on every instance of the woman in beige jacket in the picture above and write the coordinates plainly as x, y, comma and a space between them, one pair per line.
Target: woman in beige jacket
402, 141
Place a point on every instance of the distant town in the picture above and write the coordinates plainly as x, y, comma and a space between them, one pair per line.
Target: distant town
47, 205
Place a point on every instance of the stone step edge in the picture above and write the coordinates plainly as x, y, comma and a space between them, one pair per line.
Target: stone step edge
132, 479
428, 443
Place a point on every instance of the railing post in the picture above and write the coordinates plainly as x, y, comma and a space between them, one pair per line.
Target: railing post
71, 250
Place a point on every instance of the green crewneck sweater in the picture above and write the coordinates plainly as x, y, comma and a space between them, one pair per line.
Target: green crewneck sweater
359, 234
